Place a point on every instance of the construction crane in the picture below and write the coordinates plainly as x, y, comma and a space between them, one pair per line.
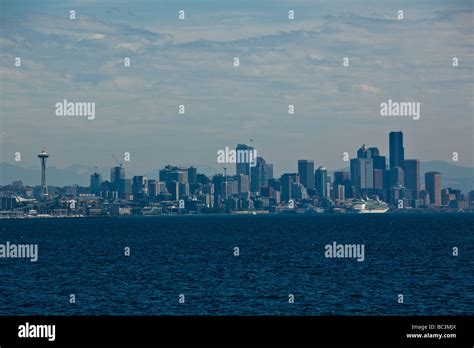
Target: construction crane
116, 160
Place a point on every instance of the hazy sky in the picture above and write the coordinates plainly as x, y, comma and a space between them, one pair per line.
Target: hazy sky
190, 62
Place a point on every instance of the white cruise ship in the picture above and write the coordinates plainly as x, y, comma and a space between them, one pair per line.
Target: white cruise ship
369, 206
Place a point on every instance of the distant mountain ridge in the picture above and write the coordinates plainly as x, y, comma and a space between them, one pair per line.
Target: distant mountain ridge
451, 175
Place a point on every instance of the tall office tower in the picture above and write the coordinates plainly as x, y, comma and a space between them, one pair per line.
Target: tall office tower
287, 180
343, 178
260, 174
341, 194
43, 155
241, 151
243, 183
321, 179
340, 177
232, 185
275, 184
161, 187
387, 183
379, 162
95, 181
183, 190
219, 182
173, 188
397, 152
362, 174
373, 152
139, 186
192, 175
306, 172
411, 168
298, 191
378, 179
165, 172
116, 175
363, 152
268, 172
153, 189
433, 187
397, 177
124, 188
178, 175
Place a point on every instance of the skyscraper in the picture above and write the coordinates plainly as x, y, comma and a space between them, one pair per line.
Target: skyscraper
412, 176
116, 174
243, 183
178, 175
139, 186
340, 178
243, 168
192, 175
95, 181
397, 176
153, 189
343, 178
373, 151
306, 172
362, 170
379, 162
321, 179
173, 188
287, 180
220, 183
43, 155
397, 152
378, 179
260, 174
433, 187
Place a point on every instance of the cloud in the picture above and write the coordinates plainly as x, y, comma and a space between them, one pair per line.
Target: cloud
368, 88
191, 63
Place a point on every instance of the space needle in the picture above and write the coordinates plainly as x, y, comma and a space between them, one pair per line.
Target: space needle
43, 155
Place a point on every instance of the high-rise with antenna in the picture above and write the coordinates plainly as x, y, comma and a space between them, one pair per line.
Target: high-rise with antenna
43, 155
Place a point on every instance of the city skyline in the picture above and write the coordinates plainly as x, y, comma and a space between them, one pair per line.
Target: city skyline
370, 172
207, 170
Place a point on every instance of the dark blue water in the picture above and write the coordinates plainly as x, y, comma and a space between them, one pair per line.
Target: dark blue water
279, 255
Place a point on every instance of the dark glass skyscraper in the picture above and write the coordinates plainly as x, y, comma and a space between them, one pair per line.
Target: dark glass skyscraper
321, 178
117, 174
397, 152
412, 176
433, 187
306, 172
95, 182
260, 174
139, 186
243, 168
287, 181
362, 169
192, 175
